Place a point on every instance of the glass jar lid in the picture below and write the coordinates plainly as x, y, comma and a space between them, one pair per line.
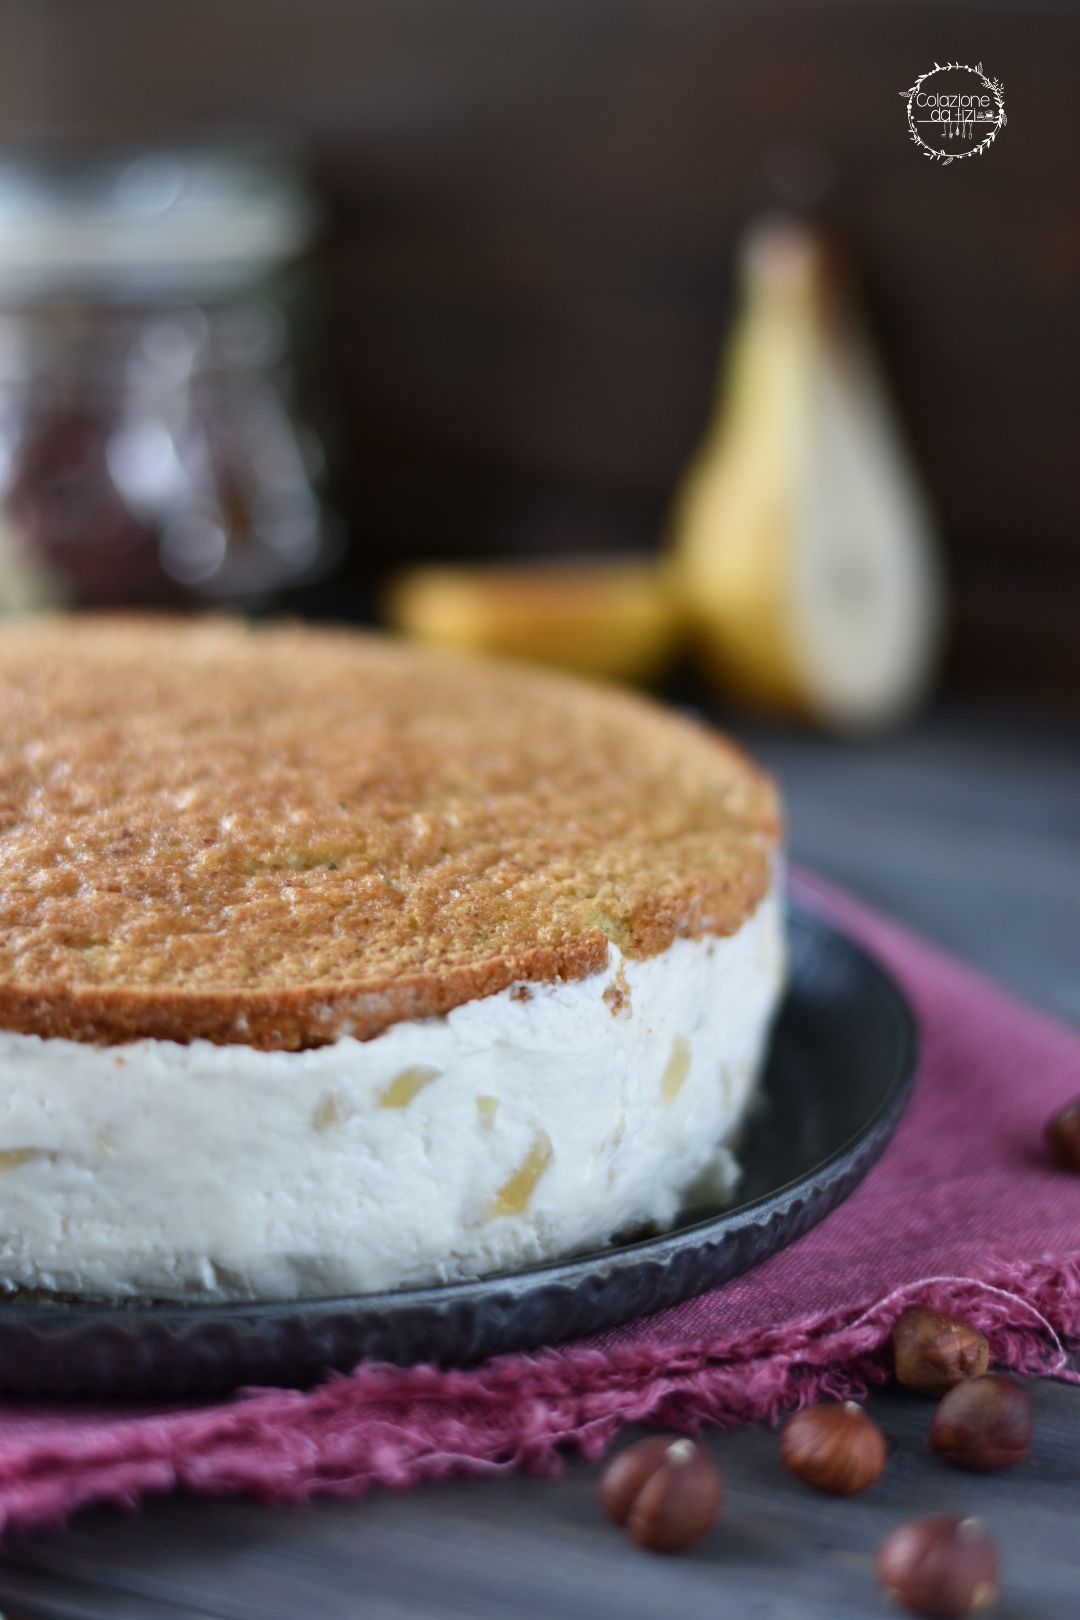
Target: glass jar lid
159, 225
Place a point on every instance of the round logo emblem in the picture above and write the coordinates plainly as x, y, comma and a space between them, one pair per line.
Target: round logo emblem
954, 111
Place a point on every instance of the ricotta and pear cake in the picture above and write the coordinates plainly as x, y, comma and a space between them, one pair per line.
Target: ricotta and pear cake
330, 964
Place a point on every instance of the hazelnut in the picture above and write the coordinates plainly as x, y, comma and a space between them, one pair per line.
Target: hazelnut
935, 1352
834, 1448
1063, 1136
665, 1491
983, 1424
943, 1566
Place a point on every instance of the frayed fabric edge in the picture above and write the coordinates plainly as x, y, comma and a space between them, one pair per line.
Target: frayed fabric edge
399, 1427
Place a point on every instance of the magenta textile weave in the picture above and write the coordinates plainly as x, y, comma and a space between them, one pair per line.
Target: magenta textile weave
963, 1212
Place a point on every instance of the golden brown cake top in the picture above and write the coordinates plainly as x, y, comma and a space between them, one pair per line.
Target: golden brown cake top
275, 836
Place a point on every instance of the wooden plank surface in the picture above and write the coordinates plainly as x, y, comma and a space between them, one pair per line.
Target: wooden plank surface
542, 1549
969, 826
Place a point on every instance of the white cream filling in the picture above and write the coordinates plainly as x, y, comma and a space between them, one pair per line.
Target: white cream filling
518, 1128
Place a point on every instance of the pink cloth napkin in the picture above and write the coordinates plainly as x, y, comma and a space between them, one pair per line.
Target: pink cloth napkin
963, 1212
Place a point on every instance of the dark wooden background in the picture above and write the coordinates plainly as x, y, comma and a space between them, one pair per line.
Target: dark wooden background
526, 269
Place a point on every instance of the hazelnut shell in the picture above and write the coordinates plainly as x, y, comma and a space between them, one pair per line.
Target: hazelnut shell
944, 1566
934, 1353
666, 1491
983, 1424
834, 1448
1063, 1137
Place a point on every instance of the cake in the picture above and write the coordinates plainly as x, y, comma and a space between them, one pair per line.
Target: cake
329, 964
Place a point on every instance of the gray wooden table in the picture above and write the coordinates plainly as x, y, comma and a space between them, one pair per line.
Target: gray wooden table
968, 827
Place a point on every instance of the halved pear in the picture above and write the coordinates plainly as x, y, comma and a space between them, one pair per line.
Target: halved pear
804, 548
617, 619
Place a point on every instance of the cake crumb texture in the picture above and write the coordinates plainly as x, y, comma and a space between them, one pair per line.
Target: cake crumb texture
274, 836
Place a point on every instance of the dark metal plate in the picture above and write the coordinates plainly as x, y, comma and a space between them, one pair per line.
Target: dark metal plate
839, 1074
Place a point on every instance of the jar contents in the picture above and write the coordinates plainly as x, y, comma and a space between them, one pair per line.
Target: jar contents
149, 454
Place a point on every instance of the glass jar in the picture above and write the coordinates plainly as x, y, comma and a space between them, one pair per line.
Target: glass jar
149, 451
